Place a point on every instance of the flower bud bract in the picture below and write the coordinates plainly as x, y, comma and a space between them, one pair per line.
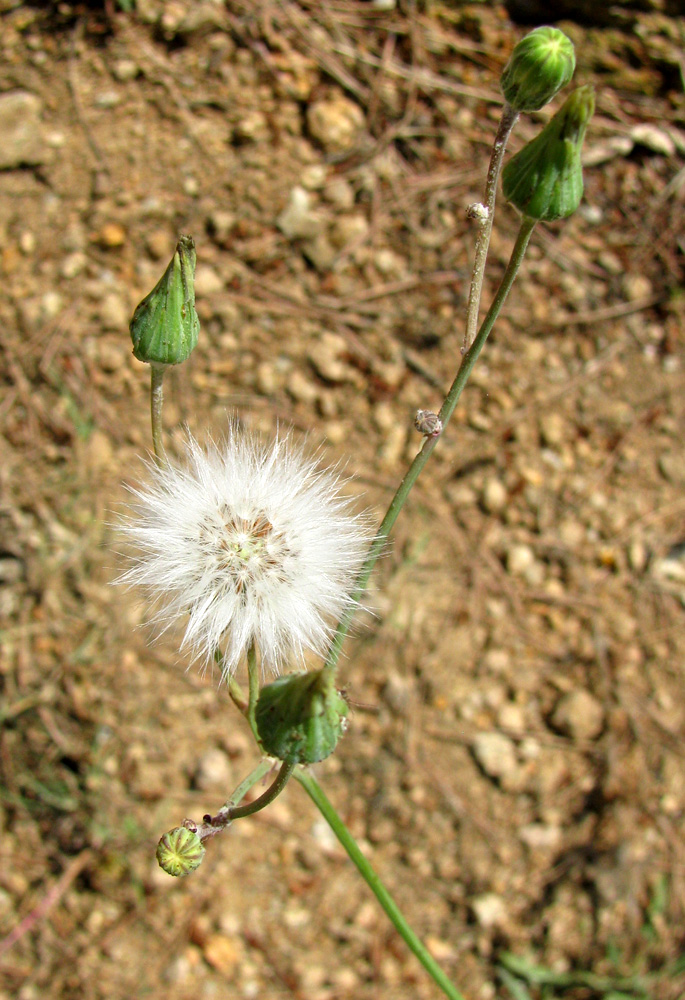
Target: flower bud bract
540, 65
301, 717
165, 325
545, 179
180, 851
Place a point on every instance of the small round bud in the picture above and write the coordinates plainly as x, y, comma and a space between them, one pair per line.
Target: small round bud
427, 423
540, 65
545, 179
478, 212
301, 717
180, 851
165, 326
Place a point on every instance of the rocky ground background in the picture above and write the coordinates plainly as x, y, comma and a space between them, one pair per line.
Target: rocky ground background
515, 761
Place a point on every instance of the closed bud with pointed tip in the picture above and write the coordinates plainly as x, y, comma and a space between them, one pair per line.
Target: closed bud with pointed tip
301, 717
165, 326
540, 65
545, 179
180, 852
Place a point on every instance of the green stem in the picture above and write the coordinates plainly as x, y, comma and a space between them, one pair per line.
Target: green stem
211, 825
253, 681
156, 403
274, 790
237, 695
253, 777
506, 124
466, 367
325, 806
448, 407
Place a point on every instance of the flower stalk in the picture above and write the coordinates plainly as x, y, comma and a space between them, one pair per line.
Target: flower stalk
485, 220
253, 690
414, 471
330, 814
232, 810
156, 404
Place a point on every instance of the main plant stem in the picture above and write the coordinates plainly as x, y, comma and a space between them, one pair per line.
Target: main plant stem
446, 411
327, 809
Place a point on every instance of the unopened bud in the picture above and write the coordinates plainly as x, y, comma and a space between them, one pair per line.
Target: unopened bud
540, 65
165, 326
180, 851
428, 423
301, 717
545, 179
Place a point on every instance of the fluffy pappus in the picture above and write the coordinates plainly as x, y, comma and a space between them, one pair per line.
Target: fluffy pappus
253, 542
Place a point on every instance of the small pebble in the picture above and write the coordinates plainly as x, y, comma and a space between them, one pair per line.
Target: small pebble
221, 953
672, 467
111, 235
314, 176
27, 242
340, 193
114, 311
335, 122
73, 264
490, 910
298, 219
496, 754
125, 69
552, 429
253, 127
519, 559
20, 128
494, 497
579, 715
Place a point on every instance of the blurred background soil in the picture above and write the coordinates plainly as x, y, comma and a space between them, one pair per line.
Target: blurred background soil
515, 761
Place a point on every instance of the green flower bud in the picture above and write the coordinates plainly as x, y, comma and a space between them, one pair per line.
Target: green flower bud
301, 717
180, 851
165, 326
540, 65
545, 179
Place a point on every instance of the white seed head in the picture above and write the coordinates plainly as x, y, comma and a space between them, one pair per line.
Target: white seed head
253, 542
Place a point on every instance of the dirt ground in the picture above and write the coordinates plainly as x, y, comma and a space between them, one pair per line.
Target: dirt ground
515, 763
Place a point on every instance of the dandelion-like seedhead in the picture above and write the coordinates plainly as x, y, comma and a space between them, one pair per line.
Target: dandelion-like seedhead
253, 542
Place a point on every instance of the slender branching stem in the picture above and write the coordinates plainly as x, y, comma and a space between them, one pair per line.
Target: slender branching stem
327, 809
156, 403
211, 825
245, 703
253, 696
227, 815
244, 787
446, 411
237, 695
506, 124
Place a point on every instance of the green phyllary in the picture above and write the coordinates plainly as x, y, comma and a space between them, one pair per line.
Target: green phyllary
301, 717
165, 326
541, 64
545, 179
